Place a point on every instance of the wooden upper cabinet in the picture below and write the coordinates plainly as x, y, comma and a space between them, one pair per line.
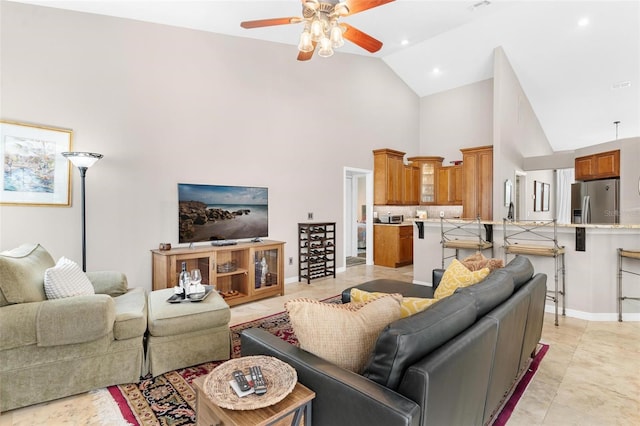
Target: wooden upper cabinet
428, 178
411, 184
388, 177
477, 178
598, 166
450, 185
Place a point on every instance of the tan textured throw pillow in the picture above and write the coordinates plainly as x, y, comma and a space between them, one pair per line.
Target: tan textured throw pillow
342, 334
477, 261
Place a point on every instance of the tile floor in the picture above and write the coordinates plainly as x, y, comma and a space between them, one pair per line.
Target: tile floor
590, 376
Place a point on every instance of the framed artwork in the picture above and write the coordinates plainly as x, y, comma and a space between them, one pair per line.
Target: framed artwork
34, 172
537, 196
546, 196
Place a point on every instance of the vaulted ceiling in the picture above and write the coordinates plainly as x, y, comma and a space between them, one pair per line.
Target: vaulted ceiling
577, 61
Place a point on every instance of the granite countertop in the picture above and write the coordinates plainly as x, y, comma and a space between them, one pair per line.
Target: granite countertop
560, 225
405, 223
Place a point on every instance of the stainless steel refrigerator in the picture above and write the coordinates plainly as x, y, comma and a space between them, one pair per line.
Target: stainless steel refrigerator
596, 201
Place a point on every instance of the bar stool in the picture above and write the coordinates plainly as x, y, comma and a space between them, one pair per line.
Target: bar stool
462, 234
544, 244
629, 254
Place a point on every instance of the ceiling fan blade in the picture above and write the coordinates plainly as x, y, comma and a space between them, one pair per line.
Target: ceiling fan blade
305, 56
363, 40
356, 6
270, 22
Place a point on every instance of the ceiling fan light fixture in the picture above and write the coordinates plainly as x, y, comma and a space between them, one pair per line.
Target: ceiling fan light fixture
336, 35
317, 29
325, 48
341, 9
305, 44
311, 4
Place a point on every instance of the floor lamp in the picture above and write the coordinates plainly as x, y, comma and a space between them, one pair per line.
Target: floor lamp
83, 160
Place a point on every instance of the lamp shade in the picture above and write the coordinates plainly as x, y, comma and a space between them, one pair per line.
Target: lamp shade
82, 159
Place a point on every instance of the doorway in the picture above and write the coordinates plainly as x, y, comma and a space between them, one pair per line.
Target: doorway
358, 216
519, 194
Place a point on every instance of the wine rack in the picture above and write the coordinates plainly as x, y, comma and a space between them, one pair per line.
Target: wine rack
316, 250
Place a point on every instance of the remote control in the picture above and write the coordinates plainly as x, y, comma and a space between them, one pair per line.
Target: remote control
259, 385
241, 380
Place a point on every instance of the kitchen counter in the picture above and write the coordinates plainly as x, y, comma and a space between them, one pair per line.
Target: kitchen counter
405, 223
591, 274
436, 221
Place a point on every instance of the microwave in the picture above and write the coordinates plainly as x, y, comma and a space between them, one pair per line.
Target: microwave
392, 218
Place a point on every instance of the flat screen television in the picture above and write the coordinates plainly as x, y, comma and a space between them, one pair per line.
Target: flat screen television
222, 213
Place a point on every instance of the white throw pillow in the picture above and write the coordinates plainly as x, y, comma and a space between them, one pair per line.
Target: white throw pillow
66, 279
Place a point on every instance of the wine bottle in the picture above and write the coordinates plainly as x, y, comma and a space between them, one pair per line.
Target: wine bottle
185, 280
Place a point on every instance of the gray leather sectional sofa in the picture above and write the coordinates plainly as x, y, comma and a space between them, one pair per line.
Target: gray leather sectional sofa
452, 364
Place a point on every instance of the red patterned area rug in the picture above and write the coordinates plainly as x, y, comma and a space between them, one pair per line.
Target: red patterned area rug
169, 399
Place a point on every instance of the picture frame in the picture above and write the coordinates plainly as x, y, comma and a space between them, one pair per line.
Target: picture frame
546, 196
537, 196
34, 172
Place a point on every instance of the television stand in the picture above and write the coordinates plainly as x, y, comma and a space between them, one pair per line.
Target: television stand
222, 243
236, 271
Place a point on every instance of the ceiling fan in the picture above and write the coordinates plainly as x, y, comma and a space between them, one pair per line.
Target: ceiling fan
322, 26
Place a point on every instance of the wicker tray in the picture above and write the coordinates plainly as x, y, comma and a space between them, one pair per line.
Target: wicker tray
280, 378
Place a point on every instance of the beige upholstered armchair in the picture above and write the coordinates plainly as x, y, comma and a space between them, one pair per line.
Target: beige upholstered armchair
52, 348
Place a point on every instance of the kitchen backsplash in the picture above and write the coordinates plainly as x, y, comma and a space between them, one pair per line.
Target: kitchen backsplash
433, 212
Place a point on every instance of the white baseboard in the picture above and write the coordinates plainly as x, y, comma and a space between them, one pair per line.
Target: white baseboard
594, 316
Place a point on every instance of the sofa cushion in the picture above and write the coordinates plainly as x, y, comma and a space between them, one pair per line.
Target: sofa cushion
520, 269
131, 314
457, 275
22, 273
406, 341
490, 292
408, 307
342, 334
66, 279
478, 261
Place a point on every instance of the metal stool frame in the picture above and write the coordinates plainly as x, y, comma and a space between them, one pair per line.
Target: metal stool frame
462, 234
545, 246
629, 254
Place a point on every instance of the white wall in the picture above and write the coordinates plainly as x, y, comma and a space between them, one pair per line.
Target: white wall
457, 118
517, 134
167, 105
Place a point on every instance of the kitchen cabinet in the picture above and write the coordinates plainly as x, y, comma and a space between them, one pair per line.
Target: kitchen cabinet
388, 177
477, 181
450, 187
392, 245
602, 165
411, 195
428, 167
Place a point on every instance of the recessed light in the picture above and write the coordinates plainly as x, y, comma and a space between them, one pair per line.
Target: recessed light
436, 71
583, 22
404, 42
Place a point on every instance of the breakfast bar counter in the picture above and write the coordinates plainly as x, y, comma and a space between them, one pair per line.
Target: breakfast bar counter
591, 275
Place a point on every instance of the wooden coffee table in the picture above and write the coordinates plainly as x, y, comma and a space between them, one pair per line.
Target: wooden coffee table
295, 405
